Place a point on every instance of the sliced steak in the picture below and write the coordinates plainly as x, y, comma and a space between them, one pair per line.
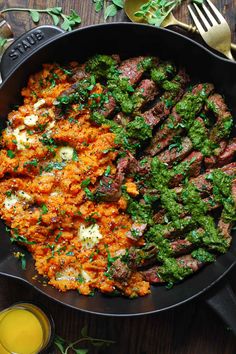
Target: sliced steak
211, 161
142, 257
108, 107
132, 69
136, 232
224, 122
162, 109
156, 114
203, 185
110, 186
152, 276
189, 167
171, 230
146, 91
179, 247
174, 123
109, 189
79, 73
225, 230
175, 88
120, 271
176, 154
189, 262
225, 157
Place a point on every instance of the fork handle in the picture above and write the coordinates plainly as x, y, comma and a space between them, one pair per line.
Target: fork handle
193, 29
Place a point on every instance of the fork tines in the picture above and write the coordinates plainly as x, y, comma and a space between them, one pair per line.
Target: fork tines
212, 20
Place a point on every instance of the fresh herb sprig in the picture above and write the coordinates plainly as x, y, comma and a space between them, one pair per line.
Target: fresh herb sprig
155, 11
3, 41
66, 348
67, 22
110, 7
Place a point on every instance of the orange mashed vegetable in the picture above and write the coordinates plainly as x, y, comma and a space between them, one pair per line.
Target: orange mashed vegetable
43, 199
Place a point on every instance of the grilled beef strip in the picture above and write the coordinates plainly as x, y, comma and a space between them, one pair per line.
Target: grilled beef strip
109, 189
223, 125
145, 92
132, 69
201, 182
181, 246
176, 154
136, 232
211, 161
234, 190
108, 107
190, 262
190, 167
142, 257
159, 216
162, 109
193, 167
151, 275
173, 124
110, 186
171, 230
186, 261
79, 73
225, 155
225, 230
120, 271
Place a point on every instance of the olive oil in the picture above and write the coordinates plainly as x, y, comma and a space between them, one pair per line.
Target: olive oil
24, 329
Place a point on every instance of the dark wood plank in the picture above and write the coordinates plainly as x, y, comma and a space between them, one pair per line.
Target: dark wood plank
189, 329
21, 22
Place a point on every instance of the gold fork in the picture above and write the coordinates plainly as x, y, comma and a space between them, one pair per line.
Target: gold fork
216, 34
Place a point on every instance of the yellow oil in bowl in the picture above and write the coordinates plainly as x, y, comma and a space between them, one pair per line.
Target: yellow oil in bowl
24, 329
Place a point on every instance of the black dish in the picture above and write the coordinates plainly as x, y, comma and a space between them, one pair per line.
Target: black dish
128, 40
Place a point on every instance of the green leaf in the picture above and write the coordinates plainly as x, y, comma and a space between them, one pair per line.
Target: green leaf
199, 2
74, 17
110, 11
99, 5
108, 171
55, 19
66, 25
34, 15
70, 21
54, 10
85, 182
81, 351
11, 154
89, 194
3, 41
44, 209
119, 3
75, 156
59, 342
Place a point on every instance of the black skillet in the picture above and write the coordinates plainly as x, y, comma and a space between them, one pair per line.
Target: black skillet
48, 44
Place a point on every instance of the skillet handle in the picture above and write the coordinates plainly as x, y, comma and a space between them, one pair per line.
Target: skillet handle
25, 45
223, 302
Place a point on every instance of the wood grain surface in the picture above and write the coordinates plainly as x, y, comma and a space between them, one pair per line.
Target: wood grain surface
189, 329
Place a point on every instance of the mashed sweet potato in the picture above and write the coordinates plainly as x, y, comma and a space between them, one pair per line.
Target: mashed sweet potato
48, 170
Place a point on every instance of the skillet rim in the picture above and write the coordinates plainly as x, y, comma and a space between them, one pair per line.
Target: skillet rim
94, 26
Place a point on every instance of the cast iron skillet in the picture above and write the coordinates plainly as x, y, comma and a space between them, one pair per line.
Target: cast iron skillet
47, 44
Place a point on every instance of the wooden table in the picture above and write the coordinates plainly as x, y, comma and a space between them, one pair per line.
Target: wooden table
189, 329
